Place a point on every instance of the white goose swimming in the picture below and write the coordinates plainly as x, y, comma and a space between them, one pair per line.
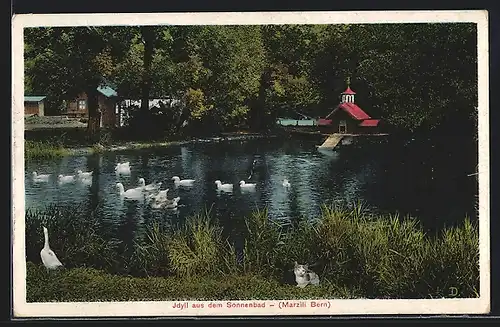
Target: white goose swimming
152, 187
65, 179
86, 181
123, 168
87, 174
165, 203
172, 204
247, 186
161, 195
49, 258
133, 193
286, 183
41, 177
183, 182
126, 163
224, 187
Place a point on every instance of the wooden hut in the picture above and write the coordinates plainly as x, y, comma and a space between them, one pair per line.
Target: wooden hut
107, 101
34, 105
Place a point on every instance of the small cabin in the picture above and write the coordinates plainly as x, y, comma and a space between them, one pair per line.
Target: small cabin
349, 118
107, 101
34, 105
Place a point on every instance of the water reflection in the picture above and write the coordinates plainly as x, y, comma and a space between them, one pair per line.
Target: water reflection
386, 182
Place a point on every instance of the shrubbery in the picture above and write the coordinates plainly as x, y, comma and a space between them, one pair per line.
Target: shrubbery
355, 253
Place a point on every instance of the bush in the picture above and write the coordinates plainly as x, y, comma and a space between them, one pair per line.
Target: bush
43, 150
195, 248
353, 251
74, 237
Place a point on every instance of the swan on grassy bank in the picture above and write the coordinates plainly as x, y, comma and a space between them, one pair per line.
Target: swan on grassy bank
49, 258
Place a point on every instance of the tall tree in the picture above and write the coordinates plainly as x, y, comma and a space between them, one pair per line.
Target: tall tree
153, 38
68, 60
290, 53
219, 72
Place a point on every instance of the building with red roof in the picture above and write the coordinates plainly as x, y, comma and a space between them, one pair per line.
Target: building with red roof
349, 118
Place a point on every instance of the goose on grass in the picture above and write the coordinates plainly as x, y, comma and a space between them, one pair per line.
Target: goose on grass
49, 258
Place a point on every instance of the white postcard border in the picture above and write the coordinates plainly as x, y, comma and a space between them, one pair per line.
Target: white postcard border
275, 307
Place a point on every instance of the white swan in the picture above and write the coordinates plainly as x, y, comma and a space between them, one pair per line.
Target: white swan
86, 180
286, 183
224, 187
133, 193
171, 204
49, 258
247, 186
183, 182
123, 168
164, 202
81, 174
41, 177
65, 179
125, 164
161, 195
157, 204
152, 187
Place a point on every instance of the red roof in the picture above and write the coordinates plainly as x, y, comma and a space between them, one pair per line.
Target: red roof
322, 121
355, 111
369, 123
349, 91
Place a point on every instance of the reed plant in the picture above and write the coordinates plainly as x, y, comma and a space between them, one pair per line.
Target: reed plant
73, 235
356, 253
44, 150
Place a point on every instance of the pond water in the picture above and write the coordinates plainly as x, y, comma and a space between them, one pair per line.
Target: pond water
384, 178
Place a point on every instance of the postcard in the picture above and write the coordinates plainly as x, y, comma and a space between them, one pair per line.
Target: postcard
250, 164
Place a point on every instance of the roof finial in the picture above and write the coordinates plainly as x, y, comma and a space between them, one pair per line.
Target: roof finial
348, 81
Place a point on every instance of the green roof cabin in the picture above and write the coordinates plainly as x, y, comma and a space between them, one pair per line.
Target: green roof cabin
107, 99
34, 105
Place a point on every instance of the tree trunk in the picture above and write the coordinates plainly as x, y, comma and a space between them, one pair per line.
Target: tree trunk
148, 37
257, 113
94, 122
146, 84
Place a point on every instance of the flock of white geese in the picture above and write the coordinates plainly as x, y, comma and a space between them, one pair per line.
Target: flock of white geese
150, 192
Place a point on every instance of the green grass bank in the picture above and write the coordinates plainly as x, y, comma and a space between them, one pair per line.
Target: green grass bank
356, 254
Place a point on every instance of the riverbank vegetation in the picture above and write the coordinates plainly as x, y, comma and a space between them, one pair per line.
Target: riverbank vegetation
44, 150
357, 254
221, 78
60, 145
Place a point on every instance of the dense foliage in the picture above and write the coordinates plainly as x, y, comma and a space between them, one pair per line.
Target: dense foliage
414, 76
356, 254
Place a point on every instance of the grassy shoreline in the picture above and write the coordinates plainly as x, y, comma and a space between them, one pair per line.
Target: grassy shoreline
87, 284
48, 149
357, 255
